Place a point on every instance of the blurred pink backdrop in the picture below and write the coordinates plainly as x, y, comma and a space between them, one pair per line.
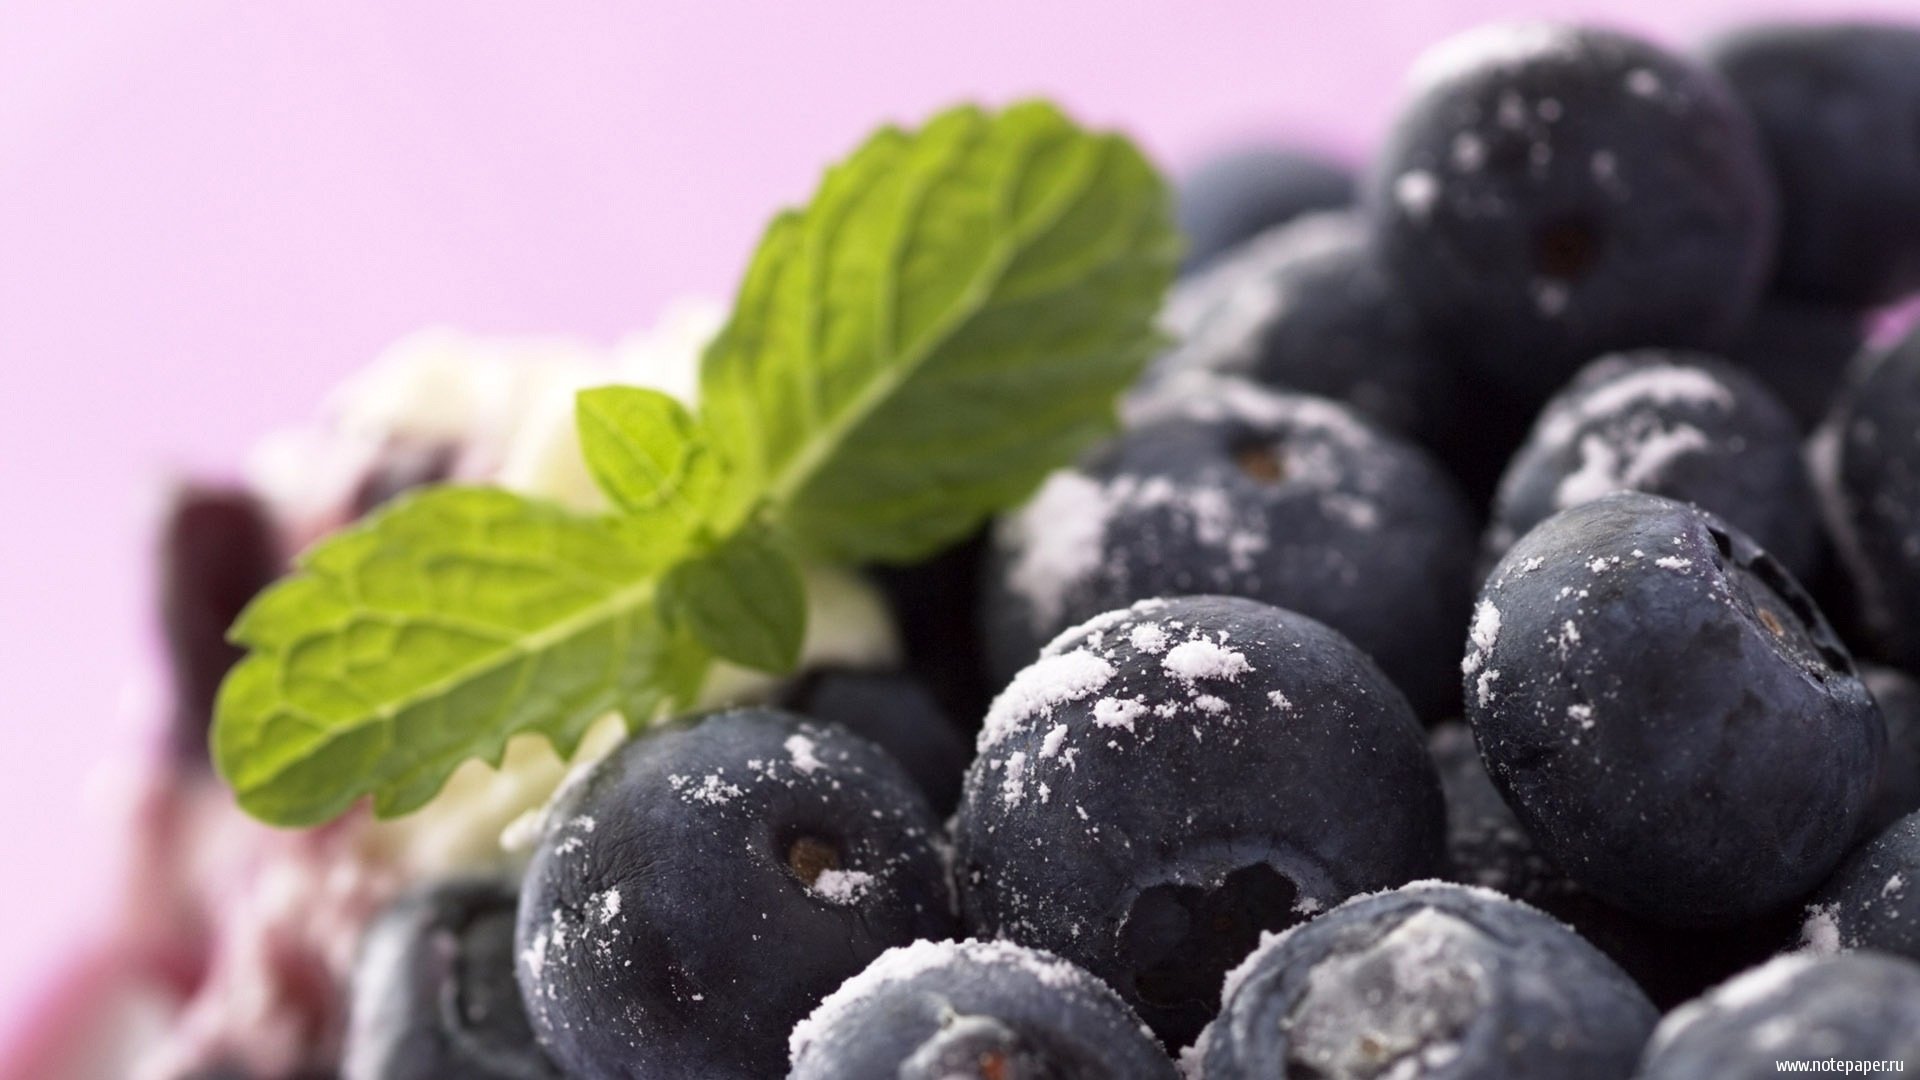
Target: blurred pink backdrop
211, 210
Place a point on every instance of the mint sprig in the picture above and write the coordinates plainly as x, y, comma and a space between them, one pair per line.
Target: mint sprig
952, 316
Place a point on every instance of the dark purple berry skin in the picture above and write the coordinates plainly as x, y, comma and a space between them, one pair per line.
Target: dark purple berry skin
1238, 195
1554, 193
1682, 425
955, 1010
1224, 487
1897, 791
1867, 470
1488, 847
896, 712
1668, 714
1872, 901
1838, 110
1864, 1007
1307, 308
434, 994
1801, 352
1170, 780
700, 891
935, 604
218, 549
1459, 983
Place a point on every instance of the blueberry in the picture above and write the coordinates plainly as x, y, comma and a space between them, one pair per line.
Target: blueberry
1867, 470
935, 605
433, 992
1667, 713
1170, 780
896, 712
991, 1010
1800, 351
1235, 196
1676, 424
1897, 791
1796, 1008
1553, 193
1227, 488
701, 890
1488, 847
1838, 109
218, 549
1486, 844
1431, 980
1305, 307
1873, 900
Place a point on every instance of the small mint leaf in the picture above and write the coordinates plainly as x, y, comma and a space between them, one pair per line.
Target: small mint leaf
951, 317
647, 453
430, 634
743, 600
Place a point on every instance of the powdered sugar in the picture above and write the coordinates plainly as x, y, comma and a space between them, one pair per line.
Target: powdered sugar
1481, 636
801, 750
1820, 934
1483, 686
1056, 539
607, 905
1041, 687
1149, 638
842, 887
898, 966
1056, 737
1649, 384
1117, 712
1628, 460
712, 789
1191, 661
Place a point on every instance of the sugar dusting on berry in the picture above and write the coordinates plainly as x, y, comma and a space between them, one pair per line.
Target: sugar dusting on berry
842, 887
712, 789
1481, 636
1820, 934
801, 750
608, 905
1191, 661
895, 969
1747, 989
1630, 459
1116, 712
1040, 688
1058, 537
1652, 384
1057, 541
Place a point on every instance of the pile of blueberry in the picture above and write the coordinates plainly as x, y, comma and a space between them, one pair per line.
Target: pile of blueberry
1458, 661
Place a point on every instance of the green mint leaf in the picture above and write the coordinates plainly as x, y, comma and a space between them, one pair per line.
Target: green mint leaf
428, 635
743, 600
950, 318
647, 453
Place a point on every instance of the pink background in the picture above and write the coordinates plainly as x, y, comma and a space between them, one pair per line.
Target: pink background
211, 210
